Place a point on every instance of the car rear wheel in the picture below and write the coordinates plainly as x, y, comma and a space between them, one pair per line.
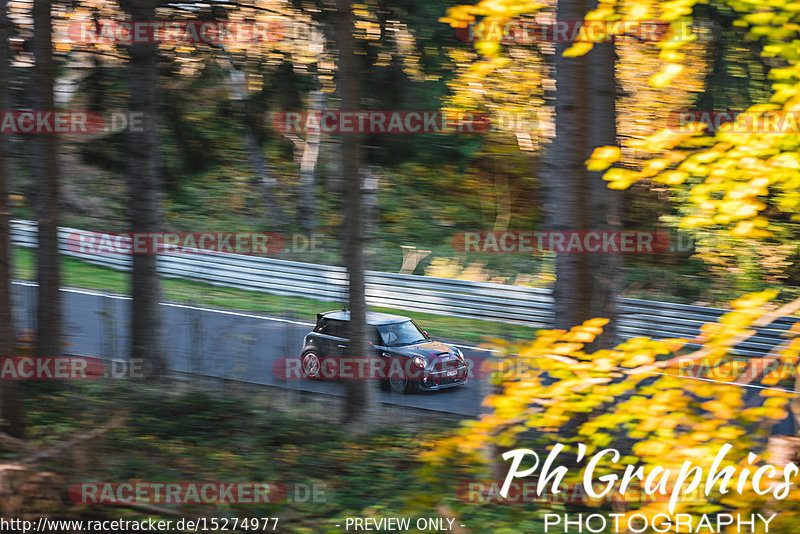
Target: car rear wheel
311, 365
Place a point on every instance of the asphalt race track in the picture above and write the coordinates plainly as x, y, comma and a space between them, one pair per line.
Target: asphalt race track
240, 346
217, 343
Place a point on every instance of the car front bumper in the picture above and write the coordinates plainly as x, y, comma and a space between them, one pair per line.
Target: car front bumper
434, 380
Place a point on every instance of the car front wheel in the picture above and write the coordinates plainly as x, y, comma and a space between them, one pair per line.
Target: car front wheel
311, 364
398, 382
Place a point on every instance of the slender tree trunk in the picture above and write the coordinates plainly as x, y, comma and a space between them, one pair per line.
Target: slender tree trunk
263, 178
576, 199
359, 403
49, 321
144, 184
308, 167
370, 183
10, 403
317, 102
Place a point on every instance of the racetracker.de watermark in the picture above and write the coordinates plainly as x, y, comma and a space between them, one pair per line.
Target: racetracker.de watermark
381, 122
250, 243
775, 369
568, 242
377, 368
70, 368
144, 492
173, 32
517, 31
735, 121
71, 122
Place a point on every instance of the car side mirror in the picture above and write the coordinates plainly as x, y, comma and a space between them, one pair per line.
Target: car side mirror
426, 333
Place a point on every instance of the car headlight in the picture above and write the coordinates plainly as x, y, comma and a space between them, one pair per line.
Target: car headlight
419, 361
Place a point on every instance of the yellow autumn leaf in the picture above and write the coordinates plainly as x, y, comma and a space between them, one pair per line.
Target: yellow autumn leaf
639, 11
600, 14
579, 337
611, 154
620, 185
594, 330
639, 359
603, 364
566, 348
694, 222
664, 77
772, 378
578, 49
671, 177
729, 433
488, 48
774, 403
620, 175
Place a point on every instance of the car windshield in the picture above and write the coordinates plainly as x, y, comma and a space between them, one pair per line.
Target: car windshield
397, 334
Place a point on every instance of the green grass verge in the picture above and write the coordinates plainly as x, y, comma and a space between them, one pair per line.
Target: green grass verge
76, 273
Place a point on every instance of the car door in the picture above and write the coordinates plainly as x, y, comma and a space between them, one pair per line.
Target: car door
317, 339
329, 339
381, 351
337, 332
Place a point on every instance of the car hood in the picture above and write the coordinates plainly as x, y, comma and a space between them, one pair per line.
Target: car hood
429, 349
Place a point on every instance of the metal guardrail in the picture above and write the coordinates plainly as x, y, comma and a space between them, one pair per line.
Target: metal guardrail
440, 296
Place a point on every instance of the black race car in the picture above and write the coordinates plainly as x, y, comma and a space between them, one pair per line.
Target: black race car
405, 358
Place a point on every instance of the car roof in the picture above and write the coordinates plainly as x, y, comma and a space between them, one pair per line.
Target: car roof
373, 318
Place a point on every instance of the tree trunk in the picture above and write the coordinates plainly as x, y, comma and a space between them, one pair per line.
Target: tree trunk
264, 179
308, 167
359, 403
317, 102
370, 209
48, 337
10, 404
144, 184
576, 199
605, 204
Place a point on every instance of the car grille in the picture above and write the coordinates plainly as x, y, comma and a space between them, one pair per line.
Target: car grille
445, 381
441, 367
